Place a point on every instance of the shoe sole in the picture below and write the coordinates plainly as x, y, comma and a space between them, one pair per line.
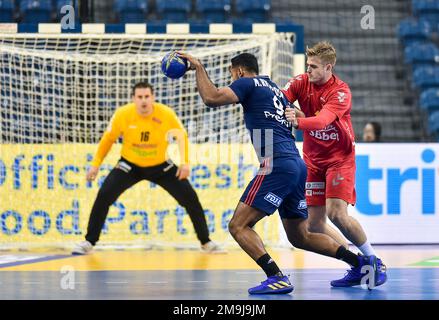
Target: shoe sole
280, 291
345, 285
78, 254
377, 284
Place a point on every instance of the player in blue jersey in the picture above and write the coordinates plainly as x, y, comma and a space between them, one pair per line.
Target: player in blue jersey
280, 182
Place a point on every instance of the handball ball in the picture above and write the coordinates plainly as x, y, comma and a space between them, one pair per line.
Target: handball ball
173, 66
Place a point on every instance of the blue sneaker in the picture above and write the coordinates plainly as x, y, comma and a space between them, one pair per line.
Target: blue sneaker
381, 273
273, 285
353, 277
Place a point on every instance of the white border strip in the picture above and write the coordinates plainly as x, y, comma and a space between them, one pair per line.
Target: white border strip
8, 28
177, 28
265, 28
220, 28
49, 28
140, 28
95, 28
135, 28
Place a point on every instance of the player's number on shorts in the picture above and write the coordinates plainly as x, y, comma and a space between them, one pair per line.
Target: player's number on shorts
279, 106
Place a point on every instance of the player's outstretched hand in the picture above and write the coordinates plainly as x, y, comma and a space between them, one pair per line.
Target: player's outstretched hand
183, 172
92, 173
193, 62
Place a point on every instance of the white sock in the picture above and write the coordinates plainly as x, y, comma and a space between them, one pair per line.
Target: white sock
367, 249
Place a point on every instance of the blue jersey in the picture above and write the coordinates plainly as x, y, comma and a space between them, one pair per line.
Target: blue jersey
264, 114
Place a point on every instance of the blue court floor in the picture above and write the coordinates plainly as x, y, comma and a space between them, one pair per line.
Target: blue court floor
413, 274
403, 284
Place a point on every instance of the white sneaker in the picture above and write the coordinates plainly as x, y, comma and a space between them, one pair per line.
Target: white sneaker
82, 247
212, 247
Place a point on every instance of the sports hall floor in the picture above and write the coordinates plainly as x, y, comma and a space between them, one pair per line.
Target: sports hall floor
170, 274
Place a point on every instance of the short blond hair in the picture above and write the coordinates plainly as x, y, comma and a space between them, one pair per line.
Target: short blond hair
323, 50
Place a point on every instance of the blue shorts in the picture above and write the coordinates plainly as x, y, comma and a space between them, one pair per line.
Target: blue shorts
279, 185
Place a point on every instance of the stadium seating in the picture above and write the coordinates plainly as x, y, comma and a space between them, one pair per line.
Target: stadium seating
430, 99
213, 10
6, 11
253, 10
136, 11
174, 10
421, 54
131, 11
60, 3
433, 122
425, 77
36, 11
427, 10
418, 34
423, 6
412, 30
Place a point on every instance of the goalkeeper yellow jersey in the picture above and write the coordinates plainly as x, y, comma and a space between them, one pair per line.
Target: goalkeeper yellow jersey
144, 139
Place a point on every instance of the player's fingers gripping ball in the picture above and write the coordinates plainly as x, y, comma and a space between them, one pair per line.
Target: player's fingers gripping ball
174, 66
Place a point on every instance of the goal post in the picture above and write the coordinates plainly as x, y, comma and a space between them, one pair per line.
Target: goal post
58, 93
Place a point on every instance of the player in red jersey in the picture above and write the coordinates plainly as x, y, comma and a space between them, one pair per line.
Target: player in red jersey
329, 151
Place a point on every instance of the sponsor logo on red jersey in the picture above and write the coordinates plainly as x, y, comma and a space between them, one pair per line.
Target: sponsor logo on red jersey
328, 133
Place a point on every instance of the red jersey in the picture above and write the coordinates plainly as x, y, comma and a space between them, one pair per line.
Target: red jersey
330, 142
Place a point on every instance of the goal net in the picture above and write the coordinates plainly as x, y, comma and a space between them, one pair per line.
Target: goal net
58, 94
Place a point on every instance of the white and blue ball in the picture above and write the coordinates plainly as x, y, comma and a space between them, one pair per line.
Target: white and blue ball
174, 66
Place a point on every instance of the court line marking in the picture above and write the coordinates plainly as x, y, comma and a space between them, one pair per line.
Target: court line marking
398, 280
13, 258
116, 282
41, 259
196, 281
32, 282
157, 282
238, 281
318, 280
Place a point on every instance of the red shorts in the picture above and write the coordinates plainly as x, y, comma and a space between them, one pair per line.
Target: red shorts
331, 182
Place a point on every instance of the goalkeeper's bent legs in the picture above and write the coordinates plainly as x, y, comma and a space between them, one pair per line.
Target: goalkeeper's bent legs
184, 193
114, 185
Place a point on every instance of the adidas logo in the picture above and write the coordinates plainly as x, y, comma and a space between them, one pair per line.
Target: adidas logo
278, 285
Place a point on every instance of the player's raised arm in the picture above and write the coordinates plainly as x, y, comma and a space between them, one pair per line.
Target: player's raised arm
211, 95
